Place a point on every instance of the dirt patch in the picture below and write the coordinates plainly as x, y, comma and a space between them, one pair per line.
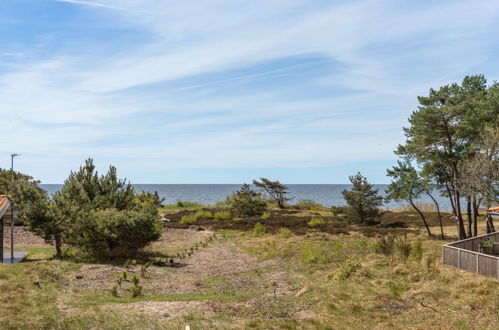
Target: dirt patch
165, 309
219, 267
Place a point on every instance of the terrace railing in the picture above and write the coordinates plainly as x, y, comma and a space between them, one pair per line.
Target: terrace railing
466, 255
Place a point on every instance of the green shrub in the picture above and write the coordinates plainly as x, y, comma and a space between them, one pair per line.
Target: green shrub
417, 250
203, 215
265, 216
246, 202
223, 215
188, 219
110, 233
363, 200
403, 247
259, 229
346, 270
397, 288
308, 204
385, 245
337, 210
312, 254
315, 221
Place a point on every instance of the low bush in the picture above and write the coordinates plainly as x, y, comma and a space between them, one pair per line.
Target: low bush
203, 215
346, 270
308, 204
110, 233
259, 229
337, 210
265, 216
223, 215
417, 250
385, 245
315, 221
403, 247
188, 219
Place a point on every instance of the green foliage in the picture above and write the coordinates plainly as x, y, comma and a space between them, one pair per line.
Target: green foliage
312, 254
246, 202
135, 288
403, 247
275, 189
407, 184
315, 221
259, 229
201, 214
397, 288
346, 270
308, 204
111, 233
148, 199
222, 215
144, 268
266, 215
114, 291
337, 210
417, 250
188, 219
488, 241
363, 200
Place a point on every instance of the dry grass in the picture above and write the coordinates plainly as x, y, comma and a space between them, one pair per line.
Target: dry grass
242, 280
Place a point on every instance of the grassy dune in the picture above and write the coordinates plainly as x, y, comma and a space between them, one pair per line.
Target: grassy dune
242, 279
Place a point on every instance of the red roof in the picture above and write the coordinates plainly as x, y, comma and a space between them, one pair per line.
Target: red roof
494, 209
4, 203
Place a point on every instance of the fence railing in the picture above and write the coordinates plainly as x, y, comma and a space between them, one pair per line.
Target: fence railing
466, 255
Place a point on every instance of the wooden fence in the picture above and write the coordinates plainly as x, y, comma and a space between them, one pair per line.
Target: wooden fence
466, 255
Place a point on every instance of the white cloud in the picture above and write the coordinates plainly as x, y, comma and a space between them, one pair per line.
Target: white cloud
98, 104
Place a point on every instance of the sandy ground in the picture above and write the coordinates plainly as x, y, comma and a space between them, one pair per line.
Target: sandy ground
218, 267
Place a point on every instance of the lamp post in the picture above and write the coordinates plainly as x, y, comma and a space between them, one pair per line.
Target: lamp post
12, 209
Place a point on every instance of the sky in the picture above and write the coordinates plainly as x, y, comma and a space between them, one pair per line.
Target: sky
303, 91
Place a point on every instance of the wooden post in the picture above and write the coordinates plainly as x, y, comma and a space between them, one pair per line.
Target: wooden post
459, 258
477, 261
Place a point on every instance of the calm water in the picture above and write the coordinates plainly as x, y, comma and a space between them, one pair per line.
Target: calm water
326, 194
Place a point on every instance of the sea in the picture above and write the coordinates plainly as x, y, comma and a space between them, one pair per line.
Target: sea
325, 194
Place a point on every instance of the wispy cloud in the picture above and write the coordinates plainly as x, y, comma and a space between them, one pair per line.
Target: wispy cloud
234, 84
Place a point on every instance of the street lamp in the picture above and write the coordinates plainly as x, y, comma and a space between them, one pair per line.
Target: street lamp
12, 209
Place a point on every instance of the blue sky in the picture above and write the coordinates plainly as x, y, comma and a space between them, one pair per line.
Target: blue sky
227, 91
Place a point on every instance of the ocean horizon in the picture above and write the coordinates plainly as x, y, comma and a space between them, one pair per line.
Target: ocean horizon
325, 194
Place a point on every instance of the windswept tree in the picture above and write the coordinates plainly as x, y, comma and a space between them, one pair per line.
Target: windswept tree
443, 132
363, 200
275, 189
406, 185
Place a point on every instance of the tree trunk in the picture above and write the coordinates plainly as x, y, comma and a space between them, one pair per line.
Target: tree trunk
468, 214
422, 216
439, 215
450, 198
459, 217
475, 217
58, 245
